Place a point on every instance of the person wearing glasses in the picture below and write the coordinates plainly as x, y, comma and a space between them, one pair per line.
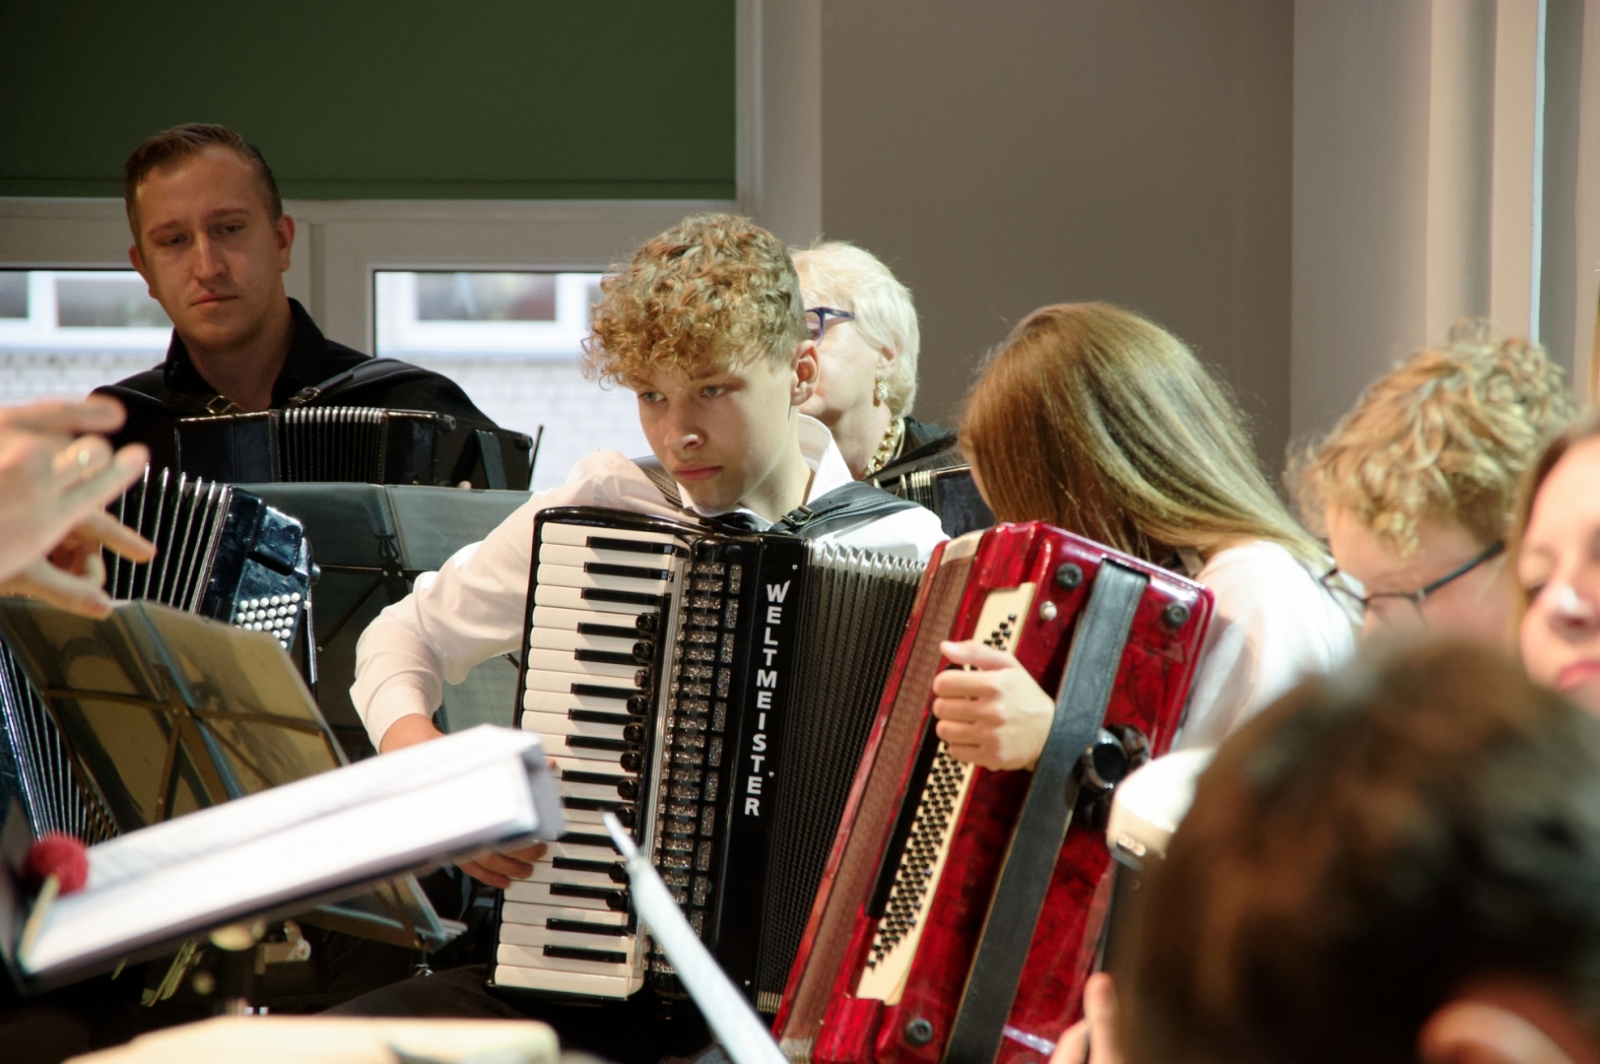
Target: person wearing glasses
865, 328
1557, 565
1416, 485
1105, 424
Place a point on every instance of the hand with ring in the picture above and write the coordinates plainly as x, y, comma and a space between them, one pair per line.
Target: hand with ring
56, 477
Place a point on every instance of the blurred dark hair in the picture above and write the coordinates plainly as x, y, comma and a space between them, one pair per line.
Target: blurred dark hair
1360, 851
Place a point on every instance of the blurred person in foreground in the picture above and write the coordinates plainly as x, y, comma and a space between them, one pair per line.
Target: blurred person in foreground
1416, 487
1400, 862
57, 473
1557, 546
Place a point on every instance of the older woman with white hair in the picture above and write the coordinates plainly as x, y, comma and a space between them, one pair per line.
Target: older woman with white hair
865, 327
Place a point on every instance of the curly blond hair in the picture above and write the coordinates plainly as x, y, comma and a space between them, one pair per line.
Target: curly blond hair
714, 291
1444, 436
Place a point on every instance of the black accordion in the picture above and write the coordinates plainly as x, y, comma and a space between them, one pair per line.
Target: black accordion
715, 692
367, 445
947, 490
221, 553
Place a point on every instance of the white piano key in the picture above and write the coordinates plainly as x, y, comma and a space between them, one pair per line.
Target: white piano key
561, 701
518, 915
552, 725
602, 792
545, 872
611, 760
578, 535
537, 892
586, 819
534, 957
567, 982
536, 935
562, 661
582, 853
565, 762
565, 640
578, 557
568, 620
571, 576
561, 683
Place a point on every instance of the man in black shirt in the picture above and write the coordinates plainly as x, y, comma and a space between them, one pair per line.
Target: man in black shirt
212, 242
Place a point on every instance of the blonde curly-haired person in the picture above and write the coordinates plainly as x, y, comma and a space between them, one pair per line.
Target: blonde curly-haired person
1416, 486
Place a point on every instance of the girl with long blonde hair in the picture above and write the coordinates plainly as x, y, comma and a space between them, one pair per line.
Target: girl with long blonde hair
1103, 423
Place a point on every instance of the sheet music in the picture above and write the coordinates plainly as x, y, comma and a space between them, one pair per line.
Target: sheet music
192, 836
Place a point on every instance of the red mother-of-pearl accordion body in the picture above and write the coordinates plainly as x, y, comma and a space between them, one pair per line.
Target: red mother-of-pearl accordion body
821, 1017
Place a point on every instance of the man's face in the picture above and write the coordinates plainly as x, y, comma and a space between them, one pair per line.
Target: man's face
723, 433
1476, 606
209, 250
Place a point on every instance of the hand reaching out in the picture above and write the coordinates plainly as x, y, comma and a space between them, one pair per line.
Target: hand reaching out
54, 483
992, 714
495, 869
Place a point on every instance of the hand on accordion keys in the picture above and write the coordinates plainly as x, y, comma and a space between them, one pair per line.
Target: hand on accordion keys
991, 712
495, 869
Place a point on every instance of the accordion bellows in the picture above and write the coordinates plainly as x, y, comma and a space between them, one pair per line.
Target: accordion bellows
715, 692
917, 949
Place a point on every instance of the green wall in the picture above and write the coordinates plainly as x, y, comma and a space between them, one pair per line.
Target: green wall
399, 100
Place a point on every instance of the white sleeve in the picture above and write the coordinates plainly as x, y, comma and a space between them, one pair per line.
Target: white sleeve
472, 608
1271, 628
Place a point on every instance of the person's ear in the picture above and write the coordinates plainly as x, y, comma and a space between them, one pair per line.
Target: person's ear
805, 371
1474, 1032
888, 358
136, 257
284, 229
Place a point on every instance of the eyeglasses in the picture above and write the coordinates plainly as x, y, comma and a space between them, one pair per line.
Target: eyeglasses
1386, 606
817, 320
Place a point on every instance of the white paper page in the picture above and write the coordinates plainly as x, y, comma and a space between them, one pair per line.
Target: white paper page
491, 805
139, 853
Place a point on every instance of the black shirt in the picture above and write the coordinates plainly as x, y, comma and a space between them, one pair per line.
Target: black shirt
157, 398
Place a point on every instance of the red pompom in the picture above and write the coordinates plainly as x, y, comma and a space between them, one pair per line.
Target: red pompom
57, 855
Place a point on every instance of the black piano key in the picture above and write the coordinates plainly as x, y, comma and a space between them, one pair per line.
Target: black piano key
632, 546
579, 927
598, 956
632, 572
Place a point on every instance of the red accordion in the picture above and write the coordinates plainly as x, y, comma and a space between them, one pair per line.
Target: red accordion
960, 911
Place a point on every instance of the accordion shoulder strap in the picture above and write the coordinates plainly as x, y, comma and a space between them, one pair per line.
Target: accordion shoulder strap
849, 504
388, 370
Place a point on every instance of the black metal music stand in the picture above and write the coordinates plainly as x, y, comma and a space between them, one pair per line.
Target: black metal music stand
162, 712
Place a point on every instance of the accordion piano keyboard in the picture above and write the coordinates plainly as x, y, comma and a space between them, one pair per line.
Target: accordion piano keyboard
943, 793
597, 612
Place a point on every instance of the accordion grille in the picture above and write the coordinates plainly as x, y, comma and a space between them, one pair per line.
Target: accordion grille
52, 797
855, 606
333, 443
185, 518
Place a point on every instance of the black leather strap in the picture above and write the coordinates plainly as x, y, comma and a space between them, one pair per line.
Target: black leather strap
1030, 861
849, 504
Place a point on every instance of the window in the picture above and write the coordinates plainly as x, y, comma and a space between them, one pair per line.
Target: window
66, 332
512, 341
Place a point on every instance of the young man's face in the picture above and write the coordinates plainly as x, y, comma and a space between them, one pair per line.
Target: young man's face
210, 250
724, 433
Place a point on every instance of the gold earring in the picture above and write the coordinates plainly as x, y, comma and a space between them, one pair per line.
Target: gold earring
880, 393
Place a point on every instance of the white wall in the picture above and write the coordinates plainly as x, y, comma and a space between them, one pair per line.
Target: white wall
1005, 155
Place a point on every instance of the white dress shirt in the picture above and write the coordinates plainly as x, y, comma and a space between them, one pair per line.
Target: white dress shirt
472, 608
1272, 625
